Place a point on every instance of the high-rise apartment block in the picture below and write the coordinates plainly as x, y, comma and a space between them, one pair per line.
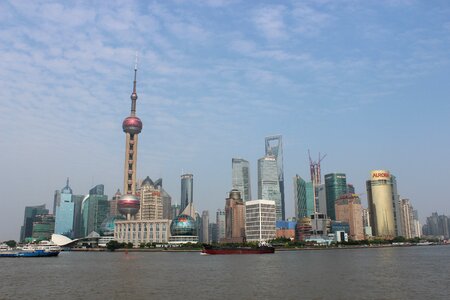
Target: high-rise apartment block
274, 147
220, 221
241, 177
260, 219
151, 201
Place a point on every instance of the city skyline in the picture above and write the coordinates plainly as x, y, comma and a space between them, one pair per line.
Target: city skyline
364, 83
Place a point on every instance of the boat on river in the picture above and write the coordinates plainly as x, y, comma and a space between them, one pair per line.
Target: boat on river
43, 249
261, 249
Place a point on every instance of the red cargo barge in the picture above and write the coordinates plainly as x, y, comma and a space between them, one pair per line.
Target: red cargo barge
209, 249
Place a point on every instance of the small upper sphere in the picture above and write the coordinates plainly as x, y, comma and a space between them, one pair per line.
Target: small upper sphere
132, 125
134, 96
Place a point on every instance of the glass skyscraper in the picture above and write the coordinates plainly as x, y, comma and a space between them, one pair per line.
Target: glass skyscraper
187, 190
335, 186
26, 231
94, 210
241, 177
268, 183
64, 211
274, 147
303, 197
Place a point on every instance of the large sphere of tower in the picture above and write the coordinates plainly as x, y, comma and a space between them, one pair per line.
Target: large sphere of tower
128, 204
132, 125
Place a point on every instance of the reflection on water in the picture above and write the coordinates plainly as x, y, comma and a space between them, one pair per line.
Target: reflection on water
383, 273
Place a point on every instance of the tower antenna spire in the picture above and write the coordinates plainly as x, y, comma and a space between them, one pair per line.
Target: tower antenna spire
134, 94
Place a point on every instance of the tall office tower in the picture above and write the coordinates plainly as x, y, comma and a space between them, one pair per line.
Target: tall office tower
77, 216
234, 218
128, 204
94, 210
204, 236
43, 227
151, 201
350, 188
274, 147
64, 212
303, 198
396, 207
417, 231
113, 210
335, 186
166, 200
260, 220
348, 209
321, 199
269, 184
187, 190
174, 211
366, 223
241, 177
220, 221
407, 218
379, 198
26, 231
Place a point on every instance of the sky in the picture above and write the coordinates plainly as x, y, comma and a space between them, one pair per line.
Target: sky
364, 82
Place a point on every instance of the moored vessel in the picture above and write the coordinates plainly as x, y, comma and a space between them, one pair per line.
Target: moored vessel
261, 249
43, 249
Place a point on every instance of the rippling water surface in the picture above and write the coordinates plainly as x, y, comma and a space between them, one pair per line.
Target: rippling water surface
382, 273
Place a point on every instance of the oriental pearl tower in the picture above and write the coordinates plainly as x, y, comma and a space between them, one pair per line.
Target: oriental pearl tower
128, 204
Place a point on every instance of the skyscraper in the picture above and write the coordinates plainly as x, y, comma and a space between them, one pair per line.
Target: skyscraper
151, 201
220, 221
303, 198
260, 220
269, 184
274, 147
26, 231
348, 209
335, 186
241, 177
234, 218
128, 204
94, 210
166, 200
204, 234
379, 198
187, 190
64, 212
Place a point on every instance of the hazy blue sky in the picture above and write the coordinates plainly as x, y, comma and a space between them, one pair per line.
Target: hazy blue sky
366, 82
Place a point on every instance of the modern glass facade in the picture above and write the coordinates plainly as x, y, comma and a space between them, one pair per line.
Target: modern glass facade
241, 177
274, 147
65, 212
303, 197
268, 183
335, 186
94, 210
26, 231
187, 190
43, 227
183, 225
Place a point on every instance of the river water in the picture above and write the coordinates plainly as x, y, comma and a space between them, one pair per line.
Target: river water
381, 273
